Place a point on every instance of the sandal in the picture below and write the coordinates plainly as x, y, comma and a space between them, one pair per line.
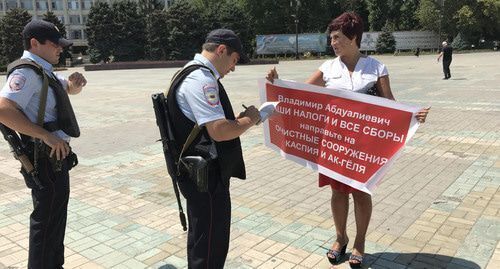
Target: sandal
357, 258
334, 256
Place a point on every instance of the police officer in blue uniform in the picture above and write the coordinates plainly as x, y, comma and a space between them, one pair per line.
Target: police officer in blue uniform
19, 108
200, 98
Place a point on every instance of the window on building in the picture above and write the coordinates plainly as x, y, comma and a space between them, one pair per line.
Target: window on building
61, 19
10, 4
42, 5
75, 34
57, 5
27, 4
84, 19
73, 5
1, 6
74, 19
86, 4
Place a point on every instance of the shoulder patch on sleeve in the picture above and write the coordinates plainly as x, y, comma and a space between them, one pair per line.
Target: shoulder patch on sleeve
16, 82
211, 94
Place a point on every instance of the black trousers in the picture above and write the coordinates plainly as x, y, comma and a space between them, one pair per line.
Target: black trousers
209, 217
446, 68
48, 219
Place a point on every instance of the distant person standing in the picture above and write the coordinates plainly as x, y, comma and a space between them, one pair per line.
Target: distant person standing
417, 52
446, 53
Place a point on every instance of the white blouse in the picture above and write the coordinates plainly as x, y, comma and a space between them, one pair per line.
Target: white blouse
365, 74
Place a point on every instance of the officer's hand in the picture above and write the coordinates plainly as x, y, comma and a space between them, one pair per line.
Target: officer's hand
58, 146
253, 113
272, 75
76, 82
422, 114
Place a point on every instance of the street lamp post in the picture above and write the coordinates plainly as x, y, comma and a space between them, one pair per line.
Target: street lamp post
441, 3
296, 38
296, 20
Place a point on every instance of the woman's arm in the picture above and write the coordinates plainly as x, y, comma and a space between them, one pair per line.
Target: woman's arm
316, 79
384, 87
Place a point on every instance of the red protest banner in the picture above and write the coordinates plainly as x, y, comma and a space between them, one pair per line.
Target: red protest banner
347, 136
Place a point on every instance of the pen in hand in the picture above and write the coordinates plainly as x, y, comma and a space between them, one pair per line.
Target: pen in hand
244, 106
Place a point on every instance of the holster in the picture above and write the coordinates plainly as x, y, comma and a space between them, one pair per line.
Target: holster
44, 152
201, 157
196, 168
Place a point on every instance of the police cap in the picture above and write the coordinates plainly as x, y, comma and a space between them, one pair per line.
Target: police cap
228, 38
44, 30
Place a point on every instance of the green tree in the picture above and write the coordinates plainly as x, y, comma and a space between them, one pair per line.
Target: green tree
393, 13
157, 36
428, 15
378, 14
271, 16
129, 29
408, 18
230, 15
315, 15
338, 7
11, 27
154, 17
386, 42
460, 43
186, 30
51, 17
489, 18
467, 23
147, 6
100, 32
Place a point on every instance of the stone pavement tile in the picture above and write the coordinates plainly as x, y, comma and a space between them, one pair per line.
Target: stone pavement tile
112, 259
275, 249
312, 261
495, 259
162, 255
14, 257
90, 265
271, 263
173, 262
74, 260
131, 264
285, 265
265, 244
383, 263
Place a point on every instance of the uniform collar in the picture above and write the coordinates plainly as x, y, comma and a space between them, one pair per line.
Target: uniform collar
202, 59
39, 60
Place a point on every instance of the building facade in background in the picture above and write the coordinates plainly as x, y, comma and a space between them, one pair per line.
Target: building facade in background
72, 13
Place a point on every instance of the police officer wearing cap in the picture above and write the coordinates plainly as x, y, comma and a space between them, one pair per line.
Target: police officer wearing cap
200, 98
19, 108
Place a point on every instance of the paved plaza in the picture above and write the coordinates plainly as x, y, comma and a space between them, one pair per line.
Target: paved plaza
438, 207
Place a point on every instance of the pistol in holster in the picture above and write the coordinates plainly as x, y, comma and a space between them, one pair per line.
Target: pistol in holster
197, 169
71, 159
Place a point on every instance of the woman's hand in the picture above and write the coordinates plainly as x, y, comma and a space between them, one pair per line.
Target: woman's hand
272, 74
422, 114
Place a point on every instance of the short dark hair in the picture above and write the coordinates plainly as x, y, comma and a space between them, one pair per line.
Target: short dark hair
350, 24
211, 47
27, 43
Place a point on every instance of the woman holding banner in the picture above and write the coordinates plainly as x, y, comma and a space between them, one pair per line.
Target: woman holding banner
350, 71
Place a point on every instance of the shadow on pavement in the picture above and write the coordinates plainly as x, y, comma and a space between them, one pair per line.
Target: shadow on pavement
415, 260
167, 266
